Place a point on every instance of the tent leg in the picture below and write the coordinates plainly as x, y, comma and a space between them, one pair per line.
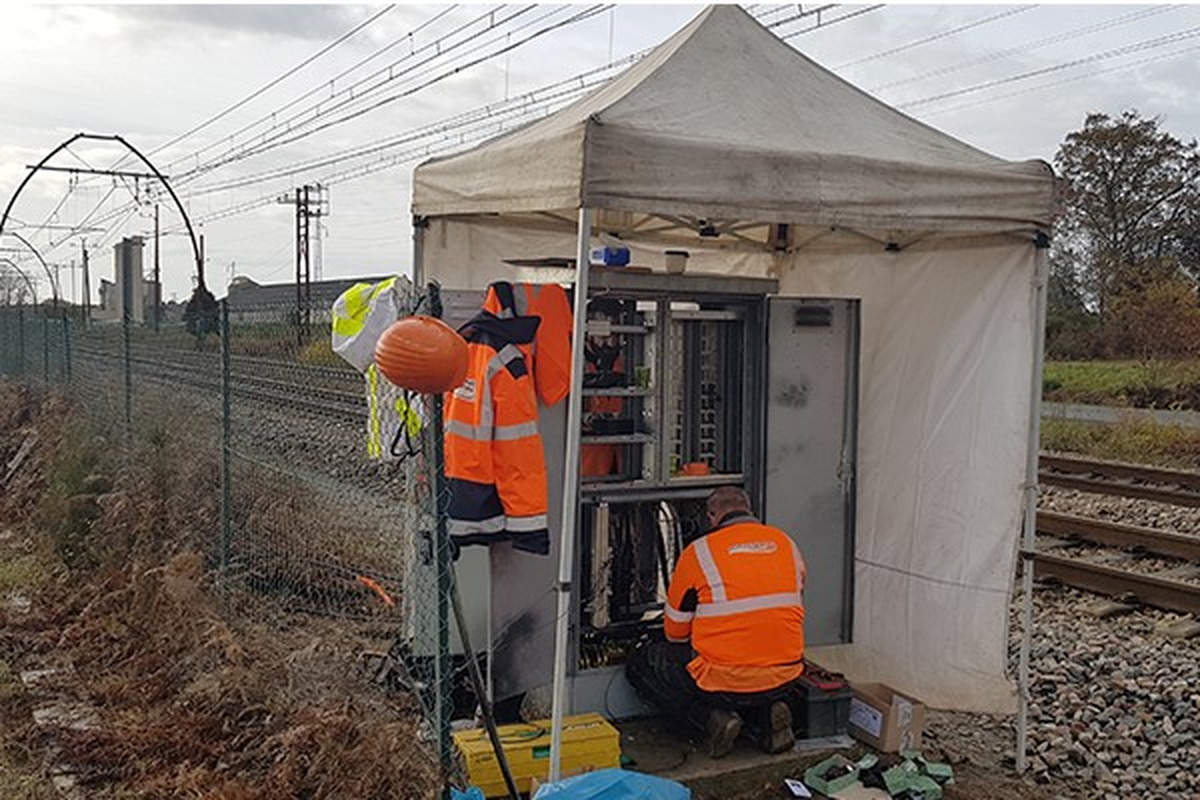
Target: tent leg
566, 547
419, 224
1031, 496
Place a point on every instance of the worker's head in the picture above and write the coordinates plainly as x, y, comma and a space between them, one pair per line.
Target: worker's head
724, 501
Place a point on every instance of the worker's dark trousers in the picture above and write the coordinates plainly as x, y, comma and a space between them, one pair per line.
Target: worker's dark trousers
658, 672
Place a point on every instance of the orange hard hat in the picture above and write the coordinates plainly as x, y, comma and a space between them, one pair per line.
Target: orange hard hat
422, 354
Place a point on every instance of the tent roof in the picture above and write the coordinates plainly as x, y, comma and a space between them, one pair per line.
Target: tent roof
725, 121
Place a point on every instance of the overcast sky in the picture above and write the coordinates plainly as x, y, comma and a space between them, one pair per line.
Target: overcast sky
151, 73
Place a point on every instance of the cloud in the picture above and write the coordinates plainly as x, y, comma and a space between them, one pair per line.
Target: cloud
298, 21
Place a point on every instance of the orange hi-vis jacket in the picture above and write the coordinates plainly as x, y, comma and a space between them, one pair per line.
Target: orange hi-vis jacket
549, 354
495, 467
737, 592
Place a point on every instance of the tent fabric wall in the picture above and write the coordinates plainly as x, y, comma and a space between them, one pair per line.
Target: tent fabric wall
943, 409
944, 402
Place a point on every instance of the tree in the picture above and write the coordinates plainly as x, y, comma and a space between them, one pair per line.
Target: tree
201, 316
1131, 196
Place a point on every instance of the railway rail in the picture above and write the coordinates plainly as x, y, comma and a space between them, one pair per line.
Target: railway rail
1164, 590
1178, 487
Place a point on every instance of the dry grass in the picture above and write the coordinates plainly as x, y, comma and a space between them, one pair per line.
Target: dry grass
204, 689
1136, 441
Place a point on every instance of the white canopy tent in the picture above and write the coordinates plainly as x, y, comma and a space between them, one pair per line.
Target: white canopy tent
731, 144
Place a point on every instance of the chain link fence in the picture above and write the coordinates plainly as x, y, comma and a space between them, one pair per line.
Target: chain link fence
305, 518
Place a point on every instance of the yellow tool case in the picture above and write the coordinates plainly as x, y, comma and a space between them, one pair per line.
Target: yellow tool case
589, 742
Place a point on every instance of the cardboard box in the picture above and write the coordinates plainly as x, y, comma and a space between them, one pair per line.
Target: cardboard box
885, 719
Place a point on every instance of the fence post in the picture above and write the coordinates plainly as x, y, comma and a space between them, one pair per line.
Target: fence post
20, 340
45, 347
226, 445
127, 360
441, 548
66, 329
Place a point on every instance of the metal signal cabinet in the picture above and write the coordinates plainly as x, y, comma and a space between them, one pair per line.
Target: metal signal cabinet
693, 382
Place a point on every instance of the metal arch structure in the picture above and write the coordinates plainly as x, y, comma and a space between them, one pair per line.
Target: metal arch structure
21, 272
113, 138
45, 266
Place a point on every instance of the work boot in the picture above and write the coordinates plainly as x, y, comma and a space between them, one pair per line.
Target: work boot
778, 736
723, 728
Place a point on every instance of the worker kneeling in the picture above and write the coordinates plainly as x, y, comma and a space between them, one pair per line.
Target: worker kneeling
734, 623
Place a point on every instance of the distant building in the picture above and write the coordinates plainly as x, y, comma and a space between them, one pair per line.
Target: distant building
250, 301
141, 293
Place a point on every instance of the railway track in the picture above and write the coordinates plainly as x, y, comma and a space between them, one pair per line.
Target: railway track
1178, 487
305, 389
1171, 589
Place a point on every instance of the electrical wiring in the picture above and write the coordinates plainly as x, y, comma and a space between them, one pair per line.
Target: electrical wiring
936, 37
395, 42
1090, 74
493, 111
531, 101
489, 110
385, 74
1122, 19
801, 13
826, 23
245, 150
1145, 44
447, 145
275, 82
447, 73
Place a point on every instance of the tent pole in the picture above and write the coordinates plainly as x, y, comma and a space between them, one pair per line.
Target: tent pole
419, 224
566, 546
1031, 493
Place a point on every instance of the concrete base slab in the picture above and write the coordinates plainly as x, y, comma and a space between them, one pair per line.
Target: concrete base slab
1103, 609
656, 747
1185, 628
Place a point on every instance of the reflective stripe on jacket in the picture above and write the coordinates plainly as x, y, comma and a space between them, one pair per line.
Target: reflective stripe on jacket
548, 355
737, 593
360, 315
495, 465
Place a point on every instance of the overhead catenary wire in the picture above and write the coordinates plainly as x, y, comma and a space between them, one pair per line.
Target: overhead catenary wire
565, 89
450, 143
437, 78
489, 110
1090, 74
178, 180
245, 150
319, 87
1145, 44
1122, 19
891, 51
275, 81
820, 23
385, 75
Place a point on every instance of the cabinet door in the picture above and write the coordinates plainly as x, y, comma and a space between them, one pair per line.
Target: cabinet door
809, 449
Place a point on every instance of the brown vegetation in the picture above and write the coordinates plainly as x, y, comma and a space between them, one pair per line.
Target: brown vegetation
203, 688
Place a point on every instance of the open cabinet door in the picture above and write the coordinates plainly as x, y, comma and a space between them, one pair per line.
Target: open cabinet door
809, 449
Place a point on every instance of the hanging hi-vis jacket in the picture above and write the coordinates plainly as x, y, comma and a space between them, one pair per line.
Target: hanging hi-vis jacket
360, 315
737, 593
549, 354
495, 466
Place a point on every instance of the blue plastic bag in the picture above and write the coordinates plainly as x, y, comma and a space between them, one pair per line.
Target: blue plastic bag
473, 793
613, 784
